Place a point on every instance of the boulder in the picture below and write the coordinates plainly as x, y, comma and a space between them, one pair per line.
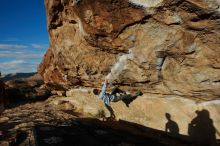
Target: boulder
164, 47
168, 49
152, 110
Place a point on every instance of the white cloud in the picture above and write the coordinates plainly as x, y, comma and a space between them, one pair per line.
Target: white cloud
11, 64
12, 46
22, 46
12, 39
21, 55
16, 66
20, 58
39, 46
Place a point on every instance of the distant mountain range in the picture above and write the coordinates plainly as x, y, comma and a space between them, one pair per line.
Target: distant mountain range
20, 76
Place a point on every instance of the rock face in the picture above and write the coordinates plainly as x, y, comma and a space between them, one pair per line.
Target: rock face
2, 96
161, 46
168, 49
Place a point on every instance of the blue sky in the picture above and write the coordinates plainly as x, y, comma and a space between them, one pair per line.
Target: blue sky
23, 35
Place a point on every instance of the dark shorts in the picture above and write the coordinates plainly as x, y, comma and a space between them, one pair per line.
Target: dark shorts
122, 97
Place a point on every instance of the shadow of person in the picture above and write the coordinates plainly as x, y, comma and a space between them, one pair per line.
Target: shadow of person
201, 129
171, 126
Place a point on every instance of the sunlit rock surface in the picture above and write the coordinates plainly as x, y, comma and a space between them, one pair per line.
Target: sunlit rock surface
167, 47
151, 109
170, 50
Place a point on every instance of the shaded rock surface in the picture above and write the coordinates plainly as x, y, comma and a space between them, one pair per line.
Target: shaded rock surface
2, 96
162, 46
101, 133
24, 86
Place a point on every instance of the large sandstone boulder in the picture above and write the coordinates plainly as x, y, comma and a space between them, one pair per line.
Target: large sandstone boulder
151, 110
161, 46
168, 49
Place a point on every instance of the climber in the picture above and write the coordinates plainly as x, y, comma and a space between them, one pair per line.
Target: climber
114, 97
161, 56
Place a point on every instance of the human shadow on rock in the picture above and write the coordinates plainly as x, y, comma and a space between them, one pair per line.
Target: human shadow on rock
171, 126
201, 129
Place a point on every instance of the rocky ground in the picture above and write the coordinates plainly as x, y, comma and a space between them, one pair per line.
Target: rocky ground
70, 117
24, 86
20, 119
44, 123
